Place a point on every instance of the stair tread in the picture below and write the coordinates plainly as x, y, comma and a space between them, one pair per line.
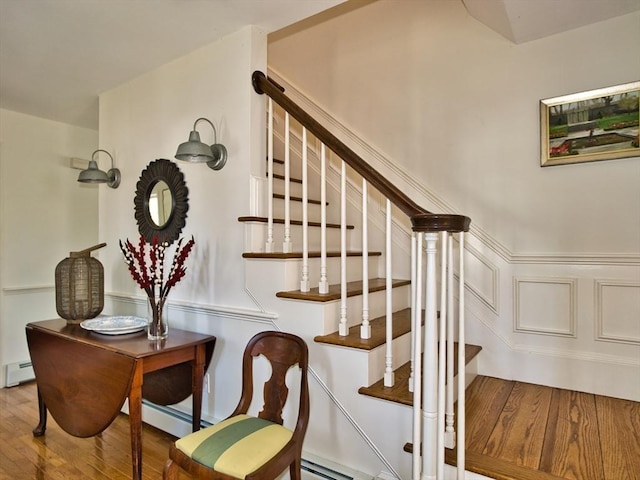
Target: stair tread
400, 393
401, 325
353, 289
294, 198
251, 218
492, 467
314, 254
281, 177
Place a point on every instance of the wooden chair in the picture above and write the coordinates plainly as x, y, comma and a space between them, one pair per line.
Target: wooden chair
244, 446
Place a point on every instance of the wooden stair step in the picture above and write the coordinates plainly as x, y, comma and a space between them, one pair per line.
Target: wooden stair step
492, 467
280, 196
401, 326
250, 218
400, 393
277, 176
314, 254
353, 289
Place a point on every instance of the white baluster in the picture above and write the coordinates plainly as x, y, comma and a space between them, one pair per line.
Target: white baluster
450, 434
442, 346
413, 312
416, 318
269, 244
461, 362
430, 360
365, 328
286, 244
389, 377
323, 286
304, 282
343, 329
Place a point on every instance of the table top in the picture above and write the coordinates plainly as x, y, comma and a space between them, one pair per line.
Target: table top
135, 345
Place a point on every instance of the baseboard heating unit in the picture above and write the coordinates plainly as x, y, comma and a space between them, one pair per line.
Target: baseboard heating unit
17, 373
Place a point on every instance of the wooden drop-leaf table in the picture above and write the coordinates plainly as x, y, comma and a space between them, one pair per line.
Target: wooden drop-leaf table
84, 377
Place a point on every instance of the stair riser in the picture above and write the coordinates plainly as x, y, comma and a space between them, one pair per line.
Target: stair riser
377, 308
290, 272
256, 237
401, 352
295, 211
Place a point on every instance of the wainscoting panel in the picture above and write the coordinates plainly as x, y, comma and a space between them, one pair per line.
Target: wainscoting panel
617, 306
481, 277
545, 306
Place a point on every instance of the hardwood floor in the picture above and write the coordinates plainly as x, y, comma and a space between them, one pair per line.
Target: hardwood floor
515, 431
522, 431
59, 456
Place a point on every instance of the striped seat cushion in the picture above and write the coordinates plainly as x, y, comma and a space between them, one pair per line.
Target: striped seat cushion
236, 446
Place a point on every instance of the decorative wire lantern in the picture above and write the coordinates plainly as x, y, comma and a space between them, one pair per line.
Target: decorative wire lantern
80, 286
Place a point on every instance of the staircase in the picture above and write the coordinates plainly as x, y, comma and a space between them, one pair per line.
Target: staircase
326, 244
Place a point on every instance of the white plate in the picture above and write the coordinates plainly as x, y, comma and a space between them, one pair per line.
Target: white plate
118, 325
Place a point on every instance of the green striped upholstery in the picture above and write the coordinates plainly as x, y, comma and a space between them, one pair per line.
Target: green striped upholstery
236, 446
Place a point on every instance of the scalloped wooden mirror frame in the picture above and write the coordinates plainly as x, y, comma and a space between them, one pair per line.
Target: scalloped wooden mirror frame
161, 170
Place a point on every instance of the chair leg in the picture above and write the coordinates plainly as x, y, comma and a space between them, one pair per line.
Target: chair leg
295, 469
170, 471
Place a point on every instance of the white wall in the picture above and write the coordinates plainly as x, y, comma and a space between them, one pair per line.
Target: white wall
147, 118
451, 109
456, 104
44, 214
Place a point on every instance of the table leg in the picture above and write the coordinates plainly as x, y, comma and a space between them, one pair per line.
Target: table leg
42, 424
135, 421
198, 375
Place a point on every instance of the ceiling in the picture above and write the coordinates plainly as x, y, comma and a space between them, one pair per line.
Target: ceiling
57, 56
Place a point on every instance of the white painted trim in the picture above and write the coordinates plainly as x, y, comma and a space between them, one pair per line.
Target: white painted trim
599, 334
27, 290
555, 352
493, 302
260, 316
519, 328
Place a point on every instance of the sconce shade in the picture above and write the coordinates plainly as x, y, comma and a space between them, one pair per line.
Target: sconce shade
194, 151
94, 175
80, 286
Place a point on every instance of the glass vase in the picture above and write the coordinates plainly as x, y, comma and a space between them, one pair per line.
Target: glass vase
158, 328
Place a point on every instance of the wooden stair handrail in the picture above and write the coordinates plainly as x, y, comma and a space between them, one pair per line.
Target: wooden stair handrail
422, 220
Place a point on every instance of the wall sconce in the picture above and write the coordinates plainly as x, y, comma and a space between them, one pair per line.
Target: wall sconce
94, 175
197, 152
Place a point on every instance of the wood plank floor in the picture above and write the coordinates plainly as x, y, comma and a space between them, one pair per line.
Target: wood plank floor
59, 456
521, 431
515, 431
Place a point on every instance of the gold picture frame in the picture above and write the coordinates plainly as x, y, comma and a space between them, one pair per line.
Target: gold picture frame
590, 126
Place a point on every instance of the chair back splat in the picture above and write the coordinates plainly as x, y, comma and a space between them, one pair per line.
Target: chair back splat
247, 447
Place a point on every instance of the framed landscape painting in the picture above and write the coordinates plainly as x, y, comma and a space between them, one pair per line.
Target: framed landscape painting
590, 126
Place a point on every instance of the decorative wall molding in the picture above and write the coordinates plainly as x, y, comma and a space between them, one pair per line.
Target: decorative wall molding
616, 300
28, 290
529, 312
201, 309
556, 352
490, 297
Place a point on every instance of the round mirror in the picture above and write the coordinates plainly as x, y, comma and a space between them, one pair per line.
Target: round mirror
161, 201
160, 204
